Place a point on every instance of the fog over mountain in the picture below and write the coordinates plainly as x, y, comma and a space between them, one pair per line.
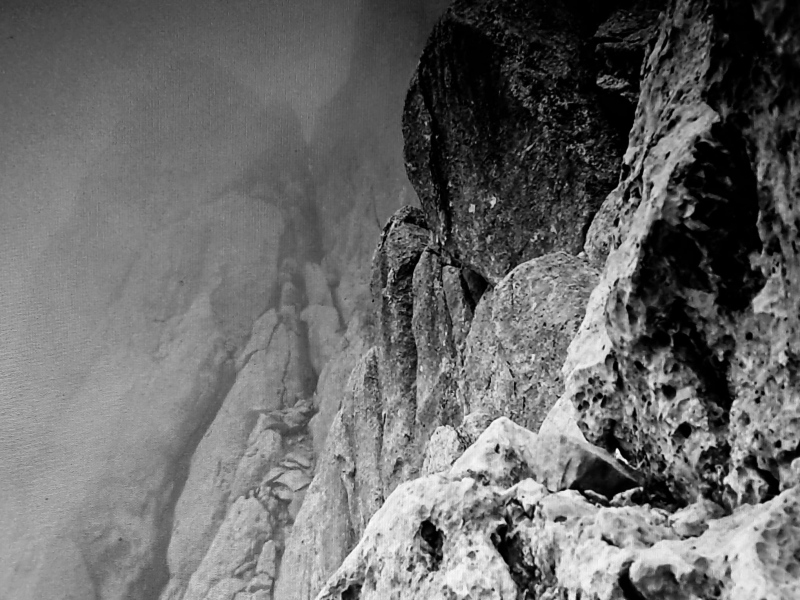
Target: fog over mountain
159, 163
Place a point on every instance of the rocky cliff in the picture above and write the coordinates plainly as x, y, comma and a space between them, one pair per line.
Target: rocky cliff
568, 371
635, 307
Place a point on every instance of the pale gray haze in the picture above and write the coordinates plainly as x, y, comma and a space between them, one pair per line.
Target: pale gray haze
157, 160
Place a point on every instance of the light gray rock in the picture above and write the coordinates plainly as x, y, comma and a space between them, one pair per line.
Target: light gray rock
227, 589
519, 338
442, 450
562, 419
318, 291
683, 361
324, 337
431, 540
236, 546
437, 359
262, 384
261, 454
503, 454
316, 547
332, 382
266, 560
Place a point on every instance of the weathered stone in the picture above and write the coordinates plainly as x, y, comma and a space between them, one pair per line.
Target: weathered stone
224, 590
324, 338
295, 479
505, 141
520, 335
437, 366
473, 425
332, 382
298, 497
316, 547
402, 242
562, 419
260, 385
442, 450
506, 453
237, 544
685, 361
503, 454
621, 43
460, 305
429, 540
450, 536
363, 421
347, 488
266, 560
260, 456
694, 519
751, 554
299, 457
318, 290
563, 462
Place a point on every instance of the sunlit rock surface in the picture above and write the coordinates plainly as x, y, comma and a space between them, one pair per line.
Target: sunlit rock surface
499, 536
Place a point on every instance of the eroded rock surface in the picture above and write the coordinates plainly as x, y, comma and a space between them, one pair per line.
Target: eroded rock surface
685, 359
505, 141
496, 536
519, 337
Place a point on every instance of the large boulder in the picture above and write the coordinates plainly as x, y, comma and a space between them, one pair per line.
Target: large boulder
506, 143
687, 359
519, 338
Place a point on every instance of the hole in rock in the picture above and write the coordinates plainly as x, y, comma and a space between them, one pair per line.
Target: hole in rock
512, 551
353, 592
683, 431
433, 540
473, 285
629, 590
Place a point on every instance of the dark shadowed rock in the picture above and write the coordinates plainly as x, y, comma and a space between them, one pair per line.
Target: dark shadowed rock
621, 43
402, 242
505, 140
437, 357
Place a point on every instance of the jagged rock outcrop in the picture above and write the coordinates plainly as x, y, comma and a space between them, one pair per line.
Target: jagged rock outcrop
403, 241
519, 337
506, 143
686, 359
266, 382
401, 389
481, 531
341, 484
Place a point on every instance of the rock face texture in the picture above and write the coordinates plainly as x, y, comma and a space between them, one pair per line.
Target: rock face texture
525, 394
658, 366
519, 338
685, 359
470, 534
505, 141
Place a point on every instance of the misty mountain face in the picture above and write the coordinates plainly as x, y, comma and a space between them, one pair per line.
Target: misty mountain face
171, 326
